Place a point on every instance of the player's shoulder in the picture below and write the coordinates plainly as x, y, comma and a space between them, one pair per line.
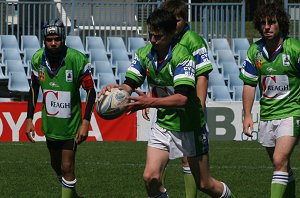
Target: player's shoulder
72, 51
292, 44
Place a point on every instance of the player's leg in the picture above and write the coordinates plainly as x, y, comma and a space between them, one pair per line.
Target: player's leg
68, 169
207, 184
156, 161
283, 149
155, 164
55, 157
189, 181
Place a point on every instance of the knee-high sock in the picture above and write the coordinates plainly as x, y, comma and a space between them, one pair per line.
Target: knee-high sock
189, 183
68, 188
226, 192
290, 191
279, 184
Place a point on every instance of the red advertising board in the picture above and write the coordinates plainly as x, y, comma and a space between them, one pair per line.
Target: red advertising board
13, 117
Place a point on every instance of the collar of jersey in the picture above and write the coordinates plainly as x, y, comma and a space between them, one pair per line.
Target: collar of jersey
152, 55
261, 47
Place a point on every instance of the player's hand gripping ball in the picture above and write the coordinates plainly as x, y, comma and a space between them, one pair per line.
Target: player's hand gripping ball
111, 104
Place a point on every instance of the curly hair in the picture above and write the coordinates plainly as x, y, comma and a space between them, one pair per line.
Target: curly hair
177, 7
272, 10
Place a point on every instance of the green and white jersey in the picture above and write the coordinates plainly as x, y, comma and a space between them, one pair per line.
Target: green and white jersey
278, 77
61, 111
178, 68
197, 46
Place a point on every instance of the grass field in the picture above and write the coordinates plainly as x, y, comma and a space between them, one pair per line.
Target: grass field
114, 170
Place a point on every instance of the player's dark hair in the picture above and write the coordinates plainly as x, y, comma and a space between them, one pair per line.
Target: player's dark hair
162, 20
272, 10
177, 7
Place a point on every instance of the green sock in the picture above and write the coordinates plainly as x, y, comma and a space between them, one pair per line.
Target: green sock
290, 191
67, 192
189, 183
277, 190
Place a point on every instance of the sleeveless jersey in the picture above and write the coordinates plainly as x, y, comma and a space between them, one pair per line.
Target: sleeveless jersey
61, 110
278, 78
197, 46
178, 68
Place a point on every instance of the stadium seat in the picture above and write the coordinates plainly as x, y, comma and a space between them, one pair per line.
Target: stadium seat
17, 82
10, 54
105, 79
122, 66
220, 93
257, 94
242, 57
224, 56
215, 68
118, 55
9, 41
219, 44
210, 56
97, 55
121, 78
134, 43
238, 93
29, 41
14, 66
102, 67
5, 99
28, 53
115, 42
229, 68
234, 80
215, 79
239, 44
83, 94
94, 42
75, 43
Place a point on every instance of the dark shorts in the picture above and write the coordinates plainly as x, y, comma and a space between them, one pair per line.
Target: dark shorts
61, 144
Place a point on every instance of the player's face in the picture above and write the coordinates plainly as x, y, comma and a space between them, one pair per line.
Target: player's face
160, 40
270, 27
53, 43
180, 24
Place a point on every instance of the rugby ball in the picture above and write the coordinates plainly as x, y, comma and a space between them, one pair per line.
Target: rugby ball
111, 104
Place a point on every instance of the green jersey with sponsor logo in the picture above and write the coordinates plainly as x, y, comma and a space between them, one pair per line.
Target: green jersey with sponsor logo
278, 77
61, 111
178, 68
197, 46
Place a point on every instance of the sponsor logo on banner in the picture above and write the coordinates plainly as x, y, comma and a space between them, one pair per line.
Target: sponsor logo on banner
275, 86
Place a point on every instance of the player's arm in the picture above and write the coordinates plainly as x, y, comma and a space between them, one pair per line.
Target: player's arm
31, 103
87, 84
248, 99
202, 84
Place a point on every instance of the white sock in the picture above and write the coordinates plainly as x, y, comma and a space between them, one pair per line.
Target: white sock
226, 191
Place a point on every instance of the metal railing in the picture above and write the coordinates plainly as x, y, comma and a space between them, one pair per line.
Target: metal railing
99, 18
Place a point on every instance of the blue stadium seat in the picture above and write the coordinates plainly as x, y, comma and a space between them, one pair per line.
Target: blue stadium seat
94, 42
121, 78
97, 55
220, 93
238, 93
229, 68
239, 44
10, 54
257, 94
242, 57
17, 82
75, 43
9, 41
29, 41
118, 55
102, 67
215, 79
14, 66
224, 56
83, 94
234, 80
105, 79
122, 66
219, 44
28, 53
134, 43
115, 42
215, 68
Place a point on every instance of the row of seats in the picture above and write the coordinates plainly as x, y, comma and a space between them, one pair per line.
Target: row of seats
116, 60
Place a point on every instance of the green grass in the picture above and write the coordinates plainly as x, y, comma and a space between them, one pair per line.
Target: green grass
114, 170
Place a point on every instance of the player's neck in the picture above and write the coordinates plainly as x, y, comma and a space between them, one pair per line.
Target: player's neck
272, 45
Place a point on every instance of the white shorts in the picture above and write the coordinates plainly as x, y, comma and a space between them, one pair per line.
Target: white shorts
179, 144
271, 130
